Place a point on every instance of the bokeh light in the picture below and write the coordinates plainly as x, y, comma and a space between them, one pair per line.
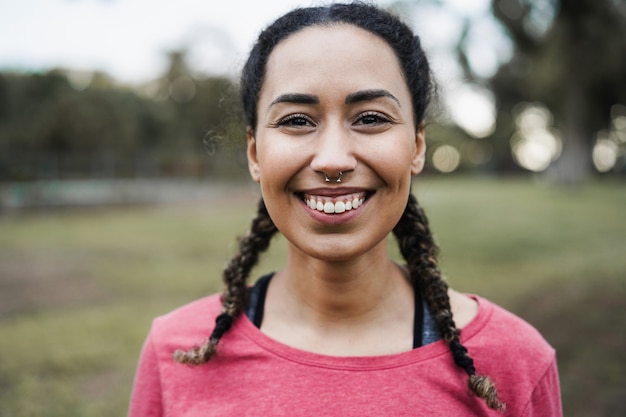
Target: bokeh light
535, 144
473, 109
610, 144
604, 155
446, 159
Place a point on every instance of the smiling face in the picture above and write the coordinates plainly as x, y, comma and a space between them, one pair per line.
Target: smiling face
334, 100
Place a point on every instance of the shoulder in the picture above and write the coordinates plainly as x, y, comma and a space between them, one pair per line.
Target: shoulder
187, 325
502, 328
512, 352
157, 373
501, 334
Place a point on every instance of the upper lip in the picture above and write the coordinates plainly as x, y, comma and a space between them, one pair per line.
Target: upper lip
333, 192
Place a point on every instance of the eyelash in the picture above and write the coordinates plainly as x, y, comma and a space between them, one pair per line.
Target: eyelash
380, 118
292, 117
288, 120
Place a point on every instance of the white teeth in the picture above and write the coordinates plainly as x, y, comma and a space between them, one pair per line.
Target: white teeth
342, 205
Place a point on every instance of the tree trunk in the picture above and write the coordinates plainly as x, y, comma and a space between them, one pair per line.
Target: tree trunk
574, 165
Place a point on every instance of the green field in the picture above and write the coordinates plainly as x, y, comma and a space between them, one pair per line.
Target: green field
78, 289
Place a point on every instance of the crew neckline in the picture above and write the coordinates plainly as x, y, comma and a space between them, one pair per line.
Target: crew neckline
361, 363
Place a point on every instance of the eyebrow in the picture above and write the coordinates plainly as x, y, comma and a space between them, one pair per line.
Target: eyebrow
359, 96
296, 98
368, 95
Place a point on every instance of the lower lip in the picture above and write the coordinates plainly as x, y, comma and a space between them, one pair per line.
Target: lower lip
333, 218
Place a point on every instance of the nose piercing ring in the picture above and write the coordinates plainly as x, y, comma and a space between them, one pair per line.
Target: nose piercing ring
337, 178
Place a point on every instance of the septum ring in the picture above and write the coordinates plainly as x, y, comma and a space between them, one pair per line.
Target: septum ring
337, 178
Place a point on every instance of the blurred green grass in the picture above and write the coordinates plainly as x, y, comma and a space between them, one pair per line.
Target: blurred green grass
78, 289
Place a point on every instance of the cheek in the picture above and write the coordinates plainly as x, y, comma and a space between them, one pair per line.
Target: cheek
393, 161
278, 161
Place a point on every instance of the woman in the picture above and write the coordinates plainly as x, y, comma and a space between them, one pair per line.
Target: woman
335, 99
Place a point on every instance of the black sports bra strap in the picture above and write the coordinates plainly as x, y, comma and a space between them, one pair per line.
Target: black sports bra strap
418, 318
256, 300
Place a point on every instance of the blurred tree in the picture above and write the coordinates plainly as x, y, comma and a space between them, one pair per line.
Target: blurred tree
206, 113
25, 102
568, 56
50, 130
60, 125
571, 56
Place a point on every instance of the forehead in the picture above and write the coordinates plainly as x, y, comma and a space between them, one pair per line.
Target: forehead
337, 57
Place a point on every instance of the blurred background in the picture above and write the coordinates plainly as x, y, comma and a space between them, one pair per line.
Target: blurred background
123, 181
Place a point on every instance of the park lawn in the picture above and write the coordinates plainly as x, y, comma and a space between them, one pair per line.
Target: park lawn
78, 289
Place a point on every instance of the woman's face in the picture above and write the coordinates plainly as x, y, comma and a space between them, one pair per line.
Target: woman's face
334, 100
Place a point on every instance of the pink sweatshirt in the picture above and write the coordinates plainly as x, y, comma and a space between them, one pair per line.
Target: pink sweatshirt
253, 375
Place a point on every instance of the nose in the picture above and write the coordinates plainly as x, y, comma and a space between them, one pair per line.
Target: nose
334, 152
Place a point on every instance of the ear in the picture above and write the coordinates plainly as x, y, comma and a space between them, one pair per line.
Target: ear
253, 162
419, 156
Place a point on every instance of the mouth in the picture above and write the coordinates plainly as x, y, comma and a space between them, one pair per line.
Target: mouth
335, 204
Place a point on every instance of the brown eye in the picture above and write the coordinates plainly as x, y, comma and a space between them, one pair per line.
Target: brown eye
295, 120
372, 119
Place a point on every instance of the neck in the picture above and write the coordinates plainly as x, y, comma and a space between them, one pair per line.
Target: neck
341, 308
341, 293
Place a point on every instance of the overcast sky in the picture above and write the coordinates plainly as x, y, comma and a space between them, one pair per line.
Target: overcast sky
129, 39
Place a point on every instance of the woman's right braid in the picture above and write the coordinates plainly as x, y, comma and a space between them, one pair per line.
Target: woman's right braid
420, 252
234, 298
235, 295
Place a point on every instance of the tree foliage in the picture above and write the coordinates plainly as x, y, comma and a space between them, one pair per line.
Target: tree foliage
49, 129
565, 69
569, 55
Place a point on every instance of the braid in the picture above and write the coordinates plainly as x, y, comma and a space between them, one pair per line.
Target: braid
420, 252
234, 297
